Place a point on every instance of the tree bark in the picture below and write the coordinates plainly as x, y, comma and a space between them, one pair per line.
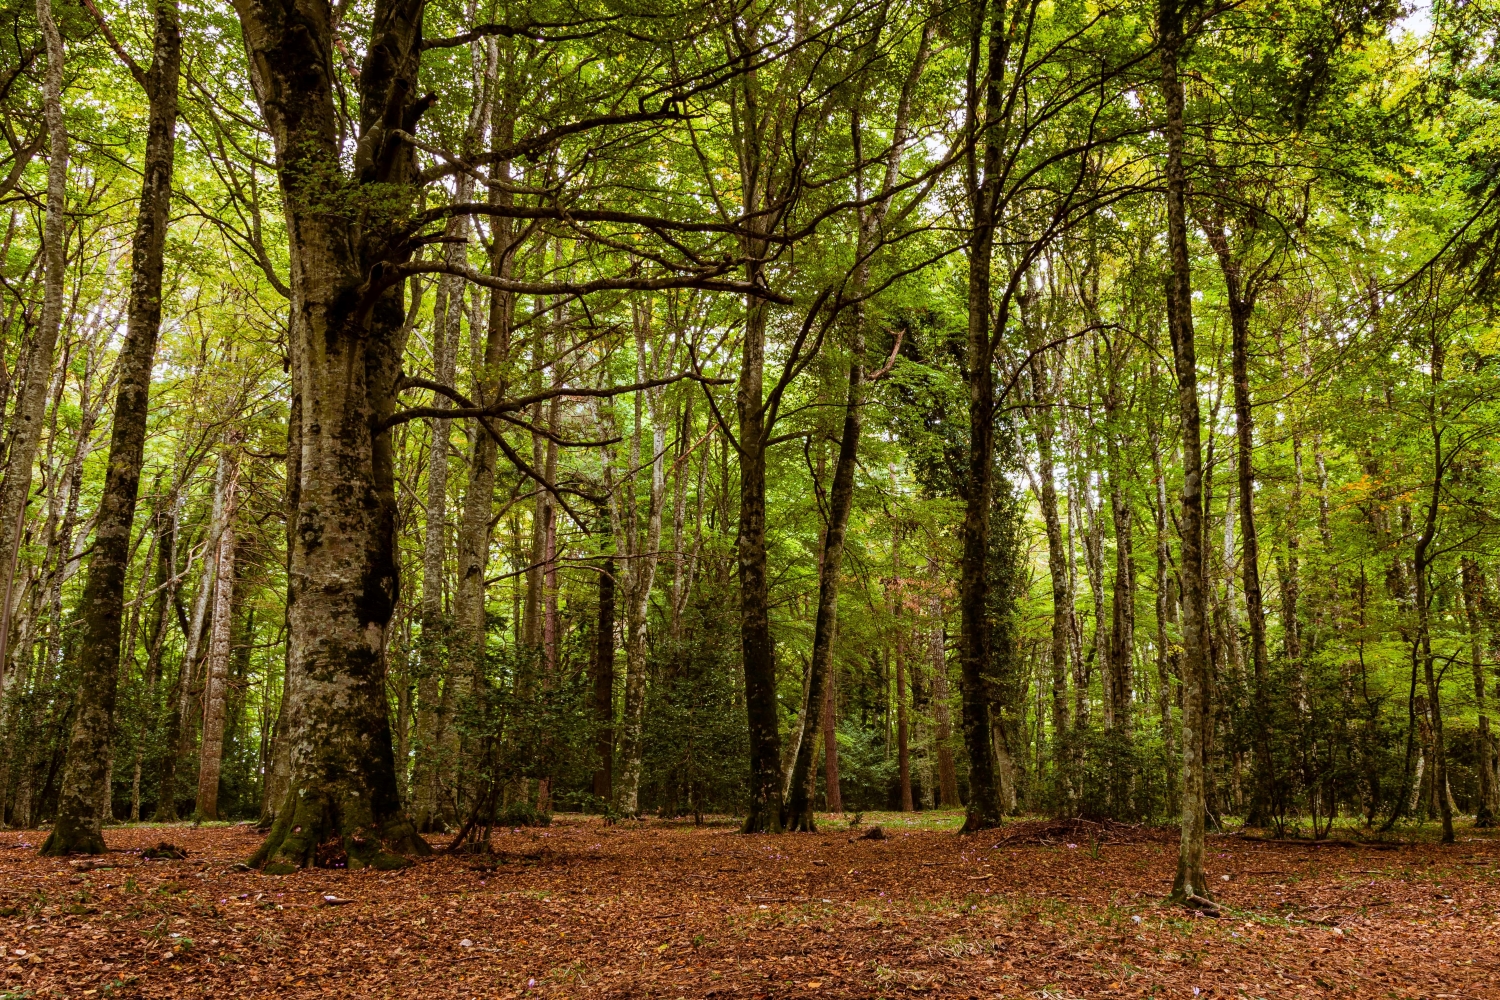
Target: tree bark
346, 360
1190, 880
1062, 591
31, 404
604, 685
432, 710
85, 779
216, 676
1422, 567
1488, 806
974, 645
642, 547
947, 773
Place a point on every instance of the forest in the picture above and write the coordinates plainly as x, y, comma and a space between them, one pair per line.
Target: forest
423, 421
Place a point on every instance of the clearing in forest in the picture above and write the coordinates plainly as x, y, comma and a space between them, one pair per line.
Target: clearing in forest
580, 909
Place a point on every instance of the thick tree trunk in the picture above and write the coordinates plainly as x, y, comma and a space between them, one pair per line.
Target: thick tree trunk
343, 798
85, 786
216, 676
31, 404
1190, 880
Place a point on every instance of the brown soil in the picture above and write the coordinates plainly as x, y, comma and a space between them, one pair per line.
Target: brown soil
657, 909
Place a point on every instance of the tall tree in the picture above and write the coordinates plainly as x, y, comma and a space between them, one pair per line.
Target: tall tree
85, 780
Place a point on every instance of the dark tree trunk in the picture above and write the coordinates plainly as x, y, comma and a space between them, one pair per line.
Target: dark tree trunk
1190, 880
1062, 591
1422, 565
1241, 305
974, 645
347, 333
604, 685
85, 779
825, 628
1489, 795
756, 652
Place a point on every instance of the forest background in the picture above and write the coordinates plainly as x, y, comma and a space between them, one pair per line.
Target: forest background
426, 416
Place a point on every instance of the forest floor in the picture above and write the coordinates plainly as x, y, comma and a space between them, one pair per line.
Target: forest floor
671, 910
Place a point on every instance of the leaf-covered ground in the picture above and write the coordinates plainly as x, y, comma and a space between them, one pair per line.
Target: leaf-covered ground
669, 910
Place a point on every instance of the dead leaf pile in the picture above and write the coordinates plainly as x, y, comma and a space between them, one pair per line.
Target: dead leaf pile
658, 909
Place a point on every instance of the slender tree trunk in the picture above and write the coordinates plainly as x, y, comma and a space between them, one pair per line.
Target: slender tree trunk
947, 772
31, 404
974, 639
1422, 566
1488, 806
1240, 309
832, 792
818, 711
1122, 627
85, 784
279, 773
903, 724
1062, 595
756, 652
431, 716
216, 677
604, 685
1190, 880
644, 556
1166, 603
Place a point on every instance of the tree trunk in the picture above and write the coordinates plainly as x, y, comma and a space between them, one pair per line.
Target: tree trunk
85, 780
1166, 602
903, 723
604, 685
974, 645
831, 790
643, 551
947, 773
1122, 627
1190, 880
31, 404
1422, 566
1488, 806
1240, 309
216, 676
348, 332
431, 715
1062, 591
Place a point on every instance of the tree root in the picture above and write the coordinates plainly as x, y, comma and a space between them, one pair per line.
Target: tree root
310, 831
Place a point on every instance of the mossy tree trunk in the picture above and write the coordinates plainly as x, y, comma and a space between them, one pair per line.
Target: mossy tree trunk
83, 805
348, 326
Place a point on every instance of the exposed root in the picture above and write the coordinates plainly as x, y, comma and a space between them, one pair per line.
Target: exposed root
309, 831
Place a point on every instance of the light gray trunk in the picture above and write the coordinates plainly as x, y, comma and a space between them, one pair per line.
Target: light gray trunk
31, 405
216, 676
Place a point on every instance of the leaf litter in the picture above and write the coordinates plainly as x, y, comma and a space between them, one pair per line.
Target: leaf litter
665, 909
